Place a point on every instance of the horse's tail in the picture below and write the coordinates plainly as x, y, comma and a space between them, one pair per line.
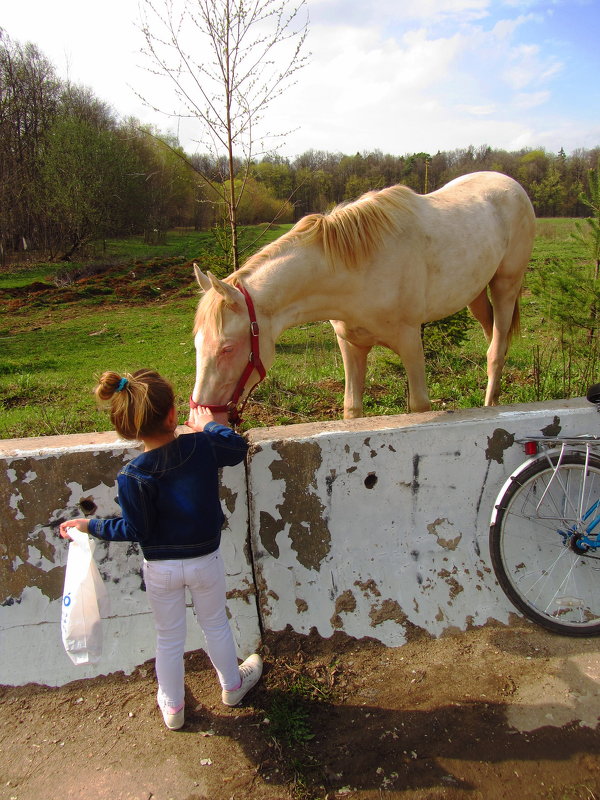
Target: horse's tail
515, 325
483, 311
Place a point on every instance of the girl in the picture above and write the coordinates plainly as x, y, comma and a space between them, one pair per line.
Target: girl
169, 497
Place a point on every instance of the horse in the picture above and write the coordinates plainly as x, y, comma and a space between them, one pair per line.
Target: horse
377, 269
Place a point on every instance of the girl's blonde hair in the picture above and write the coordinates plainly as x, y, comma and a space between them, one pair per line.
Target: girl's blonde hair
139, 403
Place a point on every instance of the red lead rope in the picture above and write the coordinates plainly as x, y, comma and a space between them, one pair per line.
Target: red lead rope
254, 363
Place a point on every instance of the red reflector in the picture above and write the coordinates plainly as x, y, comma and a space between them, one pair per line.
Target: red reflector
531, 448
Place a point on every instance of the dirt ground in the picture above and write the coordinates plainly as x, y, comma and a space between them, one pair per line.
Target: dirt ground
495, 712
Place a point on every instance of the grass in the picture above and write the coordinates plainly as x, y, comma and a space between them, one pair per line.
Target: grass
289, 719
55, 341
47, 372
182, 244
297, 693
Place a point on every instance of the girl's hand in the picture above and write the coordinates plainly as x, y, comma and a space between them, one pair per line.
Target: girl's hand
80, 524
201, 416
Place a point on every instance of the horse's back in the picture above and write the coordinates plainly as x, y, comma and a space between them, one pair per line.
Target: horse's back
502, 196
484, 207
482, 183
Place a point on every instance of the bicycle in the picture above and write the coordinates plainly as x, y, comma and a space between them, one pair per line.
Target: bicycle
545, 532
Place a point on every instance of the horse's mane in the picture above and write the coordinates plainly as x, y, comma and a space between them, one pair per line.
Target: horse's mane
348, 234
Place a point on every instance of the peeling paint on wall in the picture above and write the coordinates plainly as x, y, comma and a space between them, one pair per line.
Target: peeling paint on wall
443, 540
498, 443
269, 528
390, 610
455, 587
387, 610
368, 587
367, 443
553, 429
261, 588
228, 497
243, 594
36, 504
345, 603
301, 511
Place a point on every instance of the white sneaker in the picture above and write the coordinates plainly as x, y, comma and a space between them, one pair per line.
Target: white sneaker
173, 717
250, 672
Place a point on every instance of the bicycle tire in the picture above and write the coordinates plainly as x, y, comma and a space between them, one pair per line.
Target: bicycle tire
536, 565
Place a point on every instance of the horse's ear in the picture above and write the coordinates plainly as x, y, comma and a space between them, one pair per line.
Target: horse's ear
233, 298
203, 280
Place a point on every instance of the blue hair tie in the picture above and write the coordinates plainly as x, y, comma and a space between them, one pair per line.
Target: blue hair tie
122, 384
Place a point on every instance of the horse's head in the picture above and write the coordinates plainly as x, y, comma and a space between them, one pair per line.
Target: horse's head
231, 348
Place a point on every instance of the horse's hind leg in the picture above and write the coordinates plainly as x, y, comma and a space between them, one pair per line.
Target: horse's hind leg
482, 310
355, 367
505, 299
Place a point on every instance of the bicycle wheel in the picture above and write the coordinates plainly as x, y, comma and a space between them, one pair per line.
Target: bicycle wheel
533, 544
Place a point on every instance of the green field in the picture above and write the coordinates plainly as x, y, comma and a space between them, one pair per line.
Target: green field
55, 340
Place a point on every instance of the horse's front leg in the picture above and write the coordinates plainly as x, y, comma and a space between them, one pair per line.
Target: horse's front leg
409, 347
355, 368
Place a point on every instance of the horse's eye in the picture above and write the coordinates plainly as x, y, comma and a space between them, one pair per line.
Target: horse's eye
227, 349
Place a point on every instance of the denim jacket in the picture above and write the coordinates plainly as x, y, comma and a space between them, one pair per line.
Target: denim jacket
169, 496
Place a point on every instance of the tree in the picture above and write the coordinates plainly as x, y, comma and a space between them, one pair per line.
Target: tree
258, 204
589, 236
547, 195
313, 192
227, 61
277, 175
569, 291
357, 185
83, 174
29, 97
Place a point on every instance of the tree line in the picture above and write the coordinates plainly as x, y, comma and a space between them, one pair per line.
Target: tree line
71, 172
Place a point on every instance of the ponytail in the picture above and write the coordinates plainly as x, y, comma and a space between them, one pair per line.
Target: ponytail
138, 402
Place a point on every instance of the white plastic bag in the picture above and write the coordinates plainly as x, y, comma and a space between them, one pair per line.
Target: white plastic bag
85, 601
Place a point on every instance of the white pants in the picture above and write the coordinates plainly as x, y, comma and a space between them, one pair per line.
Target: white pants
165, 587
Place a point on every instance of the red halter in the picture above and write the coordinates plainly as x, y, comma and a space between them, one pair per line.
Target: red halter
254, 363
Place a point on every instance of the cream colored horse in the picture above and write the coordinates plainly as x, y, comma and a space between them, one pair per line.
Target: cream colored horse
377, 269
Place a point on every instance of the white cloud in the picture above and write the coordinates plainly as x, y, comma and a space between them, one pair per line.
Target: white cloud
362, 89
433, 11
430, 11
531, 99
530, 66
395, 75
505, 29
478, 111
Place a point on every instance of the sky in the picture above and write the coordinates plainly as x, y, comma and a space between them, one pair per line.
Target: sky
398, 76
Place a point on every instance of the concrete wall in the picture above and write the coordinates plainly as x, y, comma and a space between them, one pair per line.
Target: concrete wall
45, 481
377, 527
